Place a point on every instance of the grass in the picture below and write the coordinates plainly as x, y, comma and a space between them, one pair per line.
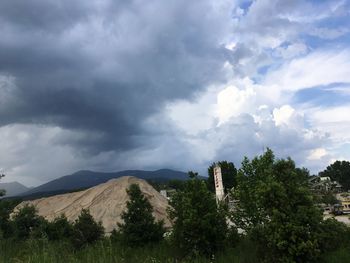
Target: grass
339, 256
42, 251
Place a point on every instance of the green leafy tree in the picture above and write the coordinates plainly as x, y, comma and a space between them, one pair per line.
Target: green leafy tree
86, 230
229, 174
339, 171
6, 208
176, 184
276, 209
333, 235
328, 197
199, 226
26, 221
59, 229
139, 226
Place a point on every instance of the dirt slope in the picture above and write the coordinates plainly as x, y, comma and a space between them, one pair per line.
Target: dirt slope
106, 202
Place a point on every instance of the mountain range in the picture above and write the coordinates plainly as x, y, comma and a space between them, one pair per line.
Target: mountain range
86, 179
13, 188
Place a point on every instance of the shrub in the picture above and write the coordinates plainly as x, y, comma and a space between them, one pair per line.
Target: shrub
60, 228
333, 235
26, 221
6, 208
86, 230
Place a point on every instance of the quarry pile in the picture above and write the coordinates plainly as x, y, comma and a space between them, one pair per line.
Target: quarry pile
105, 202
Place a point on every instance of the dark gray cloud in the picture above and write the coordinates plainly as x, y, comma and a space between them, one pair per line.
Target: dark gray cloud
102, 67
114, 84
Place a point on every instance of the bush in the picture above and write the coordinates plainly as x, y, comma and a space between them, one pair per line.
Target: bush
139, 227
6, 208
59, 229
233, 237
86, 230
333, 235
26, 221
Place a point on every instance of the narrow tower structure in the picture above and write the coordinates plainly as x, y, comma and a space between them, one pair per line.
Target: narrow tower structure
219, 187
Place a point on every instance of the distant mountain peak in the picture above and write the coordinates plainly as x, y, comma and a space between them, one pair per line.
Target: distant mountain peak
13, 188
86, 178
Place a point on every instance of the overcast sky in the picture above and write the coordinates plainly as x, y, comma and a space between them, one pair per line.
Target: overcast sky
109, 85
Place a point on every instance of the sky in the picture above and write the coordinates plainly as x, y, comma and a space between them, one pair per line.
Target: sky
109, 85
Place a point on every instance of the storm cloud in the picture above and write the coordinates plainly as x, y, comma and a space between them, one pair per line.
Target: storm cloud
103, 67
110, 85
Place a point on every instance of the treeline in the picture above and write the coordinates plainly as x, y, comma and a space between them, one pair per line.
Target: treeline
27, 224
273, 211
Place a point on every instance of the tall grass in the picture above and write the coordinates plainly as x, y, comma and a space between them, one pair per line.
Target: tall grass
105, 251
339, 256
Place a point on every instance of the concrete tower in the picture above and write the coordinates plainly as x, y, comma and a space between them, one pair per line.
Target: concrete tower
219, 187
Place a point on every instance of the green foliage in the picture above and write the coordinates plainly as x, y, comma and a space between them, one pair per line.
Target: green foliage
176, 184
139, 227
229, 174
341, 255
6, 208
329, 198
86, 230
105, 251
59, 229
198, 226
26, 222
333, 235
167, 184
233, 237
276, 209
339, 171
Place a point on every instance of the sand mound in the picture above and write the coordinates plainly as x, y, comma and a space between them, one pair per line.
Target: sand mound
106, 202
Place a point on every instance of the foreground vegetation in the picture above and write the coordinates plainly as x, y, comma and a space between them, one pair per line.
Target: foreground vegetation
106, 251
275, 213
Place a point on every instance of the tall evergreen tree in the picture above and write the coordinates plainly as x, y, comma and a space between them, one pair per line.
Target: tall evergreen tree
199, 226
139, 227
86, 230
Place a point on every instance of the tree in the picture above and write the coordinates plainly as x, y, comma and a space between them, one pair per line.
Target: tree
60, 228
338, 171
333, 235
229, 174
139, 227
26, 221
6, 208
276, 209
199, 227
86, 230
